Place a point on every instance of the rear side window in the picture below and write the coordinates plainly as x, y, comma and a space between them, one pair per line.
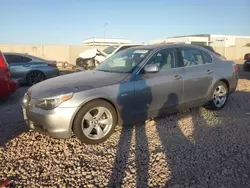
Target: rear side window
191, 57
207, 57
17, 59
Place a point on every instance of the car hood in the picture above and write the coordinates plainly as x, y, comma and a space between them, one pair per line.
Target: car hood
75, 82
91, 53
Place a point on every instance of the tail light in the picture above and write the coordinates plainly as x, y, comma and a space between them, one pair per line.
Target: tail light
236, 68
52, 64
3, 62
4, 66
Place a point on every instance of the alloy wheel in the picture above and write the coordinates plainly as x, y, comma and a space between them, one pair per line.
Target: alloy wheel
220, 96
97, 123
35, 77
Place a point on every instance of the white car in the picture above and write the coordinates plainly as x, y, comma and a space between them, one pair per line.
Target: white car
93, 57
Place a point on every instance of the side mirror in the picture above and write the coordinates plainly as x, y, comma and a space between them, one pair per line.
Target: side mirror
151, 68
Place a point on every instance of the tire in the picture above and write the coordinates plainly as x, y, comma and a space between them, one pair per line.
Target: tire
87, 132
213, 105
35, 77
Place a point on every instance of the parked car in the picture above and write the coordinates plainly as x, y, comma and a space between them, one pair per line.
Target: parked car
91, 58
29, 69
131, 86
211, 49
7, 85
246, 65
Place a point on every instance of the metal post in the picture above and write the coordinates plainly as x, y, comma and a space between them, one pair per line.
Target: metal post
104, 27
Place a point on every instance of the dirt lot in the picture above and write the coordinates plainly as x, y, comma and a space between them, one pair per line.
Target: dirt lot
197, 148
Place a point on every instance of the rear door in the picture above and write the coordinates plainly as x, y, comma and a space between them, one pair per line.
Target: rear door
19, 65
197, 74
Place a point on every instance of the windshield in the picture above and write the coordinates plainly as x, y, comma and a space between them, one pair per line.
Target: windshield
124, 61
109, 49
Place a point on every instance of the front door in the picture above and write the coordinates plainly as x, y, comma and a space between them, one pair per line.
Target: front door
157, 92
197, 75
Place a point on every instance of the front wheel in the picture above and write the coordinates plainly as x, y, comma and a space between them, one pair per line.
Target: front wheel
95, 122
218, 96
35, 77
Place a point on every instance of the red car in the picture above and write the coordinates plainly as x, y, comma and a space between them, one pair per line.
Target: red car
7, 86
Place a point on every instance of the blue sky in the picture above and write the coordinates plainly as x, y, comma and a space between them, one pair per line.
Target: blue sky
72, 21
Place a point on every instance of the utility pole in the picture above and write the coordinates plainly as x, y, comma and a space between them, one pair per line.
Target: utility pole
104, 28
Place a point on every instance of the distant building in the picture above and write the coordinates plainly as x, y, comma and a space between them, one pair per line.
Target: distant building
208, 39
105, 41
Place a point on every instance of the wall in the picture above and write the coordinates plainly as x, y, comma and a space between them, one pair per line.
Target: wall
70, 53
220, 41
233, 53
242, 41
229, 41
52, 52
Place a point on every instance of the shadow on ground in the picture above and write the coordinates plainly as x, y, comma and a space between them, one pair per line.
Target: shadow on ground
11, 118
215, 154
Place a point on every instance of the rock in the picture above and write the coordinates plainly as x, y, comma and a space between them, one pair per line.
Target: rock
191, 142
175, 186
88, 176
245, 175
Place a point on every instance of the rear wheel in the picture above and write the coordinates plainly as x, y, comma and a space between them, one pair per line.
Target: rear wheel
95, 122
35, 77
219, 96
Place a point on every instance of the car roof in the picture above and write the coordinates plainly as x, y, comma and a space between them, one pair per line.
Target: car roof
168, 45
25, 55
14, 53
131, 44
20, 54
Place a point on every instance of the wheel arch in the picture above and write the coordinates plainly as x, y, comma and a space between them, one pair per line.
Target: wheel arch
226, 82
96, 98
32, 70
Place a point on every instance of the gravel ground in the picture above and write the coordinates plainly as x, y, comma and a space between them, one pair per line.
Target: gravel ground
196, 148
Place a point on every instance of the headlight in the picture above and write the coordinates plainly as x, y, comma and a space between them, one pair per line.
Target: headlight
26, 98
53, 102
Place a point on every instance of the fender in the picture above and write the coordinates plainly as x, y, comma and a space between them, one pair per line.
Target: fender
113, 103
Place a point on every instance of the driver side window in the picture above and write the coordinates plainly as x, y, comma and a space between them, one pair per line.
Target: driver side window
164, 59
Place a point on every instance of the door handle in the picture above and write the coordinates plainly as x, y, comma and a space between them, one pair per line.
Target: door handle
26, 65
177, 77
209, 71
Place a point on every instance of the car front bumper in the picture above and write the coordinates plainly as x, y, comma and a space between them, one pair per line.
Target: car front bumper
55, 123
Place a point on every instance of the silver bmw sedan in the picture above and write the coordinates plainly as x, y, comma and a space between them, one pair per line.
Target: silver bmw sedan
132, 85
